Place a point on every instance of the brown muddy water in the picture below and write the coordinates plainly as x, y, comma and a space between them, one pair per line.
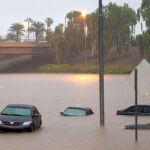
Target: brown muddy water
52, 93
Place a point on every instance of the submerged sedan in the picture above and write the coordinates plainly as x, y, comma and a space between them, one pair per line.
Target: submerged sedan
77, 111
143, 110
20, 117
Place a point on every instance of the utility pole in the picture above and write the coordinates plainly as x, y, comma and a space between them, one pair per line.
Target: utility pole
101, 65
136, 107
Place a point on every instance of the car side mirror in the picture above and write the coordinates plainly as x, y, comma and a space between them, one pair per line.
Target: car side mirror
61, 113
36, 115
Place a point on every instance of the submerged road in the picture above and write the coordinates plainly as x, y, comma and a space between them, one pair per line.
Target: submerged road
52, 93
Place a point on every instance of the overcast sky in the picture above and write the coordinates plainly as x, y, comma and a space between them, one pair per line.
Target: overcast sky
12, 11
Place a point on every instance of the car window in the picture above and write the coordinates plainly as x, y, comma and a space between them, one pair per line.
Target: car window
74, 112
132, 109
146, 109
140, 109
36, 110
17, 111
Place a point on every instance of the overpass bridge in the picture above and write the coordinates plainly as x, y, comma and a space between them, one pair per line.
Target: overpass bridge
21, 48
24, 55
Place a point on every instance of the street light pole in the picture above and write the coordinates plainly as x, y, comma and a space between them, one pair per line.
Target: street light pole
83, 13
85, 33
101, 65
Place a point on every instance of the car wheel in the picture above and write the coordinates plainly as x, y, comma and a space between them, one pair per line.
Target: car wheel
31, 129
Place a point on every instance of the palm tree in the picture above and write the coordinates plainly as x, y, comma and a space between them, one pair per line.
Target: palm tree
49, 22
28, 20
38, 28
18, 30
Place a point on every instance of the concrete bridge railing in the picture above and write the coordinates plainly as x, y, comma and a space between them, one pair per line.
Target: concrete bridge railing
19, 48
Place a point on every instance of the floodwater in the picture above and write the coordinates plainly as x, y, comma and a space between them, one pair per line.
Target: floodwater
52, 93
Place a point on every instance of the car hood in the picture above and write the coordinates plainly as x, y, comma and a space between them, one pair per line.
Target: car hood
14, 118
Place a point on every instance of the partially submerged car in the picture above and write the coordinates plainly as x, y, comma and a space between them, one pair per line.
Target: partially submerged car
143, 110
20, 117
77, 111
145, 126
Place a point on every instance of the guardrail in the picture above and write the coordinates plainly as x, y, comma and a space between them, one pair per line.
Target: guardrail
22, 44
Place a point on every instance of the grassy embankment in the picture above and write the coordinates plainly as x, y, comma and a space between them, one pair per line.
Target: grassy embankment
93, 69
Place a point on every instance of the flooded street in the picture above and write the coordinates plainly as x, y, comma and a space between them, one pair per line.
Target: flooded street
52, 93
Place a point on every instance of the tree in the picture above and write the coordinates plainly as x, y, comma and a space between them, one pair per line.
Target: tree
56, 42
143, 12
58, 39
119, 22
74, 34
11, 37
49, 22
92, 24
144, 38
29, 21
38, 28
18, 30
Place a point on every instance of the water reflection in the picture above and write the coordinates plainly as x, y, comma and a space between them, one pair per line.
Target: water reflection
83, 78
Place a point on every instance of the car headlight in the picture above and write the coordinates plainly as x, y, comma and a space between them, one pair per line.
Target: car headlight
27, 123
1, 122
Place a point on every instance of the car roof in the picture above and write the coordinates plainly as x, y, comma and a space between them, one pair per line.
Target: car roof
79, 107
143, 105
20, 105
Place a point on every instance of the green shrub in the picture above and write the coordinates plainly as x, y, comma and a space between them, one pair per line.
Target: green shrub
65, 68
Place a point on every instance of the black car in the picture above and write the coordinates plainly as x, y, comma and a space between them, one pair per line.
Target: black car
77, 111
20, 117
142, 110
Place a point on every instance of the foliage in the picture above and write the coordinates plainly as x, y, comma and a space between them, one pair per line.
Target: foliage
65, 68
11, 37
49, 32
143, 12
74, 34
29, 21
49, 22
80, 35
144, 38
55, 41
37, 28
17, 29
119, 23
144, 43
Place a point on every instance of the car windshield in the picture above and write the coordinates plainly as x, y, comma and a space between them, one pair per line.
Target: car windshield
17, 111
74, 112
